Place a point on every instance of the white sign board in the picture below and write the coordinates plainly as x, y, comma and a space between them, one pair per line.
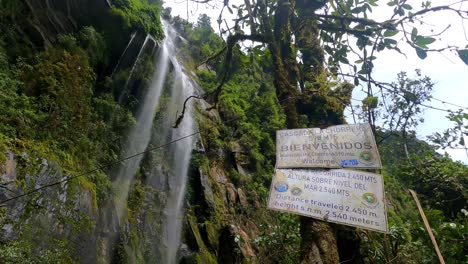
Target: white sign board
334, 147
346, 197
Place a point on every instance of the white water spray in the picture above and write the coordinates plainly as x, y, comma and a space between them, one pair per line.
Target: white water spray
182, 88
132, 70
123, 53
179, 152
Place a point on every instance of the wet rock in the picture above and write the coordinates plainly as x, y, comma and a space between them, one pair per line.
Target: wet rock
245, 246
157, 178
199, 147
184, 251
10, 169
242, 197
7, 233
218, 174
231, 193
241, 158
207, 190
242, 239
223, 194
54, 208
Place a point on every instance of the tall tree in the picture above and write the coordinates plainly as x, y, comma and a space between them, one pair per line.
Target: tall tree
308, 41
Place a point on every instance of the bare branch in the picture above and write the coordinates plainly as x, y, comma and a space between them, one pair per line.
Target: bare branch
212, 57
214, 95
330, 28
363, 21
435, 9
181, 116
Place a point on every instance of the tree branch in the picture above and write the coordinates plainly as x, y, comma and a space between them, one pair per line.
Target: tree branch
181, 116
214, 95
329, 28
363, 21
212, 57
231, 41
434, 9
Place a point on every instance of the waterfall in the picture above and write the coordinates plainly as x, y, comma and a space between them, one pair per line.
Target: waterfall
139, 135
124, 53
132, 70
176, 155
182, 88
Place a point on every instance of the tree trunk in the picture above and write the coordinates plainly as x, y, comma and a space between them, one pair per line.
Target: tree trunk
318, 242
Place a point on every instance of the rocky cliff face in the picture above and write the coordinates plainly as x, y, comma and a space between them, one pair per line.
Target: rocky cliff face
67, 222
218, 228
60, 217
38, 22
63, 222
47, 19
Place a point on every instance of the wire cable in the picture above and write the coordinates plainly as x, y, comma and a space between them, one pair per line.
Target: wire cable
452, 104
27, 193
95, 169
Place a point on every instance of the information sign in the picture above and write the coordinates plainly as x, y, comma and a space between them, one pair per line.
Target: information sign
341, 196
334, 147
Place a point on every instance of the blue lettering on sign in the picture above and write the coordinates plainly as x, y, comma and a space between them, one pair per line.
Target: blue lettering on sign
351, 162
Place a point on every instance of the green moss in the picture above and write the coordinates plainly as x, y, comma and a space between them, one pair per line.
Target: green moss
135, 201
139, 14
85, 184
203, 256
212, 233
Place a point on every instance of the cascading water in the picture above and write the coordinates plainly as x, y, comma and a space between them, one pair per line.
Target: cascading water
177, 155
140, 134
132, 37
132, 70
181, 153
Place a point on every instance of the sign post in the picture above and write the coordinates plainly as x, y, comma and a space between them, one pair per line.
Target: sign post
343, 196
346, 197
351, 146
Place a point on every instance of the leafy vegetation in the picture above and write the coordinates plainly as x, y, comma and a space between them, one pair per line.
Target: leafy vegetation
441, 186
57, 107
57, 104
139, 15
249, 114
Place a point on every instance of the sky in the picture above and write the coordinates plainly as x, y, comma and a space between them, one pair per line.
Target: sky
446, 70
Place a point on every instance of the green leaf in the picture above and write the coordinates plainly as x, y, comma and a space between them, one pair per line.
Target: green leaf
421, 53
389, 41
356, 81
344, 60
362, 42
373, 2
414, 34
391, 3
380, 46
357, 10
463, 54
390, 33
327, 38
360, 27
401, 11
424, 41
407, 7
